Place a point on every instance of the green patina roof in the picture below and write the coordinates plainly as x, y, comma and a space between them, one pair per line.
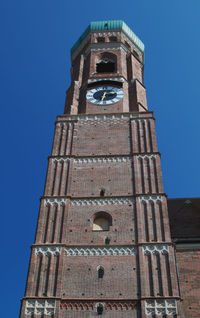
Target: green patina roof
109, 25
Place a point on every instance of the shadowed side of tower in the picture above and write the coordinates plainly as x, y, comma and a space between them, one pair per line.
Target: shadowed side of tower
103, 244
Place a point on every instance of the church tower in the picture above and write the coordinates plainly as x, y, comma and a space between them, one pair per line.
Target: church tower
103, 244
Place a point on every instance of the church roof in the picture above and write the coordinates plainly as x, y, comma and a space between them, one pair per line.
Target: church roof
184, 218
109, 25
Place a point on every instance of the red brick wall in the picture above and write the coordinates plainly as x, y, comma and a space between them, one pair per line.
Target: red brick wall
189, 273
81, 279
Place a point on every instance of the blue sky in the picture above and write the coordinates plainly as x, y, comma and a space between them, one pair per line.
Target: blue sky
36, 37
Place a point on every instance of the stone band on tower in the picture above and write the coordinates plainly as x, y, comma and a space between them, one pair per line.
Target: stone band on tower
103, 244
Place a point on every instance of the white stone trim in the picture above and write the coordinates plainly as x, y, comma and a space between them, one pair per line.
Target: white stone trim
58, 159
100, 202
93, 80
101, 34
99, 117
103, 122
64, 123
150, 198
187, 202
155, 248
48, 250
40, 307
102, 159
146, 156
105, 46
161, 307
109, 159
55, 201
101, 251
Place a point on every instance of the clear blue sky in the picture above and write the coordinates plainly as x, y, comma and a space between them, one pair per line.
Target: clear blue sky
36, 37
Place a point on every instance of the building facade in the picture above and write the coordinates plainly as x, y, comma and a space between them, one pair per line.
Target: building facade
103, 245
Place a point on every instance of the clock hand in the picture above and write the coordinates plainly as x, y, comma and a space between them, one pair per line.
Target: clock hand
104, 95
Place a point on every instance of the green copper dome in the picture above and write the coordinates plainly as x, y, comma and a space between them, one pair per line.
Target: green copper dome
109, 25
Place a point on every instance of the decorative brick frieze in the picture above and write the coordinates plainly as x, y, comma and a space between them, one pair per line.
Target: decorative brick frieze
101, 251
55, 201
89, 304
40, 307
77, 305
155, 248
48, 250
101, 202
102, 159
120, 305
150, 198
161, 307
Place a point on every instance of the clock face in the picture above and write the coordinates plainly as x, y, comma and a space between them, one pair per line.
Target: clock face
104, 95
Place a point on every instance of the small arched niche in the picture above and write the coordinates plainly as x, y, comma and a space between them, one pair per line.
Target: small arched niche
99, 309
102, 192
100, 270
102, 221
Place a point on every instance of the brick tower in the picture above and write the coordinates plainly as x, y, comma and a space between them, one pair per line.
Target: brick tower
103, 244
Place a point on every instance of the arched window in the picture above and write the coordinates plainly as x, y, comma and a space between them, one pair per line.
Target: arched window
105, 65
99, 309
101, 224
113, 39
107, 240
100, 271
100, 39
102, 221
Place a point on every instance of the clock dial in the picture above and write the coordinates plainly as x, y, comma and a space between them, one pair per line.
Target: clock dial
104, 95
